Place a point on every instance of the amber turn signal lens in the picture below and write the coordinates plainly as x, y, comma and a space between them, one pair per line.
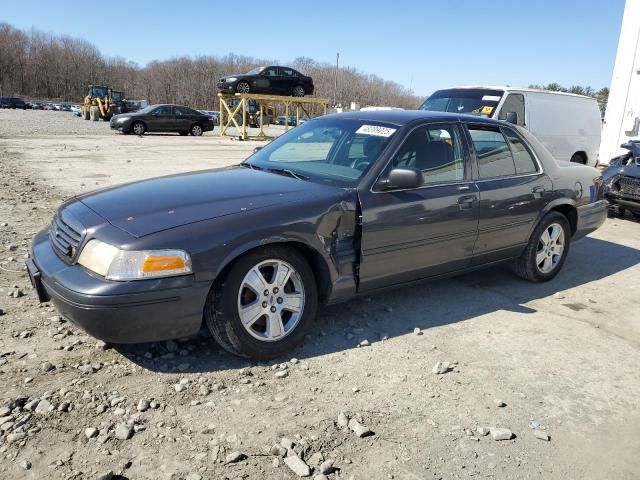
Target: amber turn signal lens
163, 263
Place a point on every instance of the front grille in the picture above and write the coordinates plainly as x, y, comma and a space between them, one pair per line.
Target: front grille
629, 187
64, 238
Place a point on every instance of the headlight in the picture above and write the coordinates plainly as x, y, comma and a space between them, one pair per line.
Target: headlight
115, 264
231, 79
121, 119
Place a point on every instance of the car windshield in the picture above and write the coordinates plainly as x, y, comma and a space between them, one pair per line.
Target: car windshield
255, 71
470, 101
330, 151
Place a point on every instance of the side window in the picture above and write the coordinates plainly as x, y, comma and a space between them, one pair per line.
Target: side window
271, 71
163, 111
513, 103
287, 72
436, 151
521, 155
493, 153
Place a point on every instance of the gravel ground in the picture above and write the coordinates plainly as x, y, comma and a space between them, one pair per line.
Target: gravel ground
507, 355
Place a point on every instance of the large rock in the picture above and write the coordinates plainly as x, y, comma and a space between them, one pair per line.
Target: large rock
123, 432
501, 434
297, 466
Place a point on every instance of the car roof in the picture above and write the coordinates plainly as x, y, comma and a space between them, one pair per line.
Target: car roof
513, 89
403, 117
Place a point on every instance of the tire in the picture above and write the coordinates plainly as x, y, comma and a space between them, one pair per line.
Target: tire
578, 157
94, 114
636, 215
196, 130
539, 255
85, 113
298, 91
243, 87
138, 128
258, 340
616, 211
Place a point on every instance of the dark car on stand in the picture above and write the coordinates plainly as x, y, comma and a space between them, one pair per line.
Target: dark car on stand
272, 80
343, 205
163, 118
620, 181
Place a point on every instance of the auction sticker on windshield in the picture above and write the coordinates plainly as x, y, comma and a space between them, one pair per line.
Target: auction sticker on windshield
376, 130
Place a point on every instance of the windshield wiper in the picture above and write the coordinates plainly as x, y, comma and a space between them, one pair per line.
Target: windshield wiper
288, 172
251, 166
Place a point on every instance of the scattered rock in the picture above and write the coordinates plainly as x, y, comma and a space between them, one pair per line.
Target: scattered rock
194, 476
101, 345
15, 437
287, 443
343, 420
44, 407
441, 367
499, 403
417, 331
106, 476
364, 343
91, 432
297, 466
483, 431
47, 367
123, 432
282, 374
541, 435
143, 405
359, 429
278, 450
501, 434
315, 459
234, 457
26, 464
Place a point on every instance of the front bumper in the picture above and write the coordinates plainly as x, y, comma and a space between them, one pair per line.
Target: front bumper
117, 312
590, 218
227, 87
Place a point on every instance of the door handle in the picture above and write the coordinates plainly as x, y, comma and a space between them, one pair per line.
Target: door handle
466, 202
464, 188
538, 189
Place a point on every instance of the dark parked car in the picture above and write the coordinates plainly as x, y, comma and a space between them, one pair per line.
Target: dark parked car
342, 205
621, 181
163, 118
292, 122
272, 80
12, 102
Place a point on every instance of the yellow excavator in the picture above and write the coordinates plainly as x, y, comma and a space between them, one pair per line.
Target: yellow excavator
97, 104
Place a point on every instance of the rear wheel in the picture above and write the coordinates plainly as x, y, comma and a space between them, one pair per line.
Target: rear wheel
547, 249
196, 130
138, 128
243, 87
264, 305
298, 91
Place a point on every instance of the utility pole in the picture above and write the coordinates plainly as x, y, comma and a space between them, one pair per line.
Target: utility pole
335, 81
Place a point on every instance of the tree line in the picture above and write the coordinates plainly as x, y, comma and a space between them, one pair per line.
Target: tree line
45, 66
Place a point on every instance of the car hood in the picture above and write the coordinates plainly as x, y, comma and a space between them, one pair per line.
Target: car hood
622, 170
150, 206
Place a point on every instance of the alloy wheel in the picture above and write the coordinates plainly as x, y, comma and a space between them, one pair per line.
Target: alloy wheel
271, 300
550, 248
138, 129
243, 87
196, 130
298, 91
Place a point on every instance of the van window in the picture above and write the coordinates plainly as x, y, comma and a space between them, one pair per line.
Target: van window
522, 157
513, 103
493, 153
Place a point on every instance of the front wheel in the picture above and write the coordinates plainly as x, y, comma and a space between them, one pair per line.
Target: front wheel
264, 305
196, 130
547, 249
138, 128
243, 87
298, 91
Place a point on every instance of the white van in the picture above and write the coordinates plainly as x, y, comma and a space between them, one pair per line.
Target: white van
568, 125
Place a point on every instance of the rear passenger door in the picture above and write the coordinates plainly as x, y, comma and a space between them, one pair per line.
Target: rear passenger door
512, 188
183, 118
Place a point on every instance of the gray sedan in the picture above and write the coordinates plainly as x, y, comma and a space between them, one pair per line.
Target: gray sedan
341, 206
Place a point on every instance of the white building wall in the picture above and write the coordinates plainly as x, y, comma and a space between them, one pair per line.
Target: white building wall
622, 118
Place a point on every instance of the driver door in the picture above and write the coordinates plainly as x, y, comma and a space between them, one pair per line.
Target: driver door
427, 231
162, 119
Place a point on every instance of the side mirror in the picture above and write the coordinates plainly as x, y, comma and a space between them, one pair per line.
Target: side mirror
403, 178
512, 117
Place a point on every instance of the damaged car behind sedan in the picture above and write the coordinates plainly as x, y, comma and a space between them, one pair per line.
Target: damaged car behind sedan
342, 205
621, 181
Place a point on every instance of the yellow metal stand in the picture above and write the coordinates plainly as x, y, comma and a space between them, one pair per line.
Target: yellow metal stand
228, 112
